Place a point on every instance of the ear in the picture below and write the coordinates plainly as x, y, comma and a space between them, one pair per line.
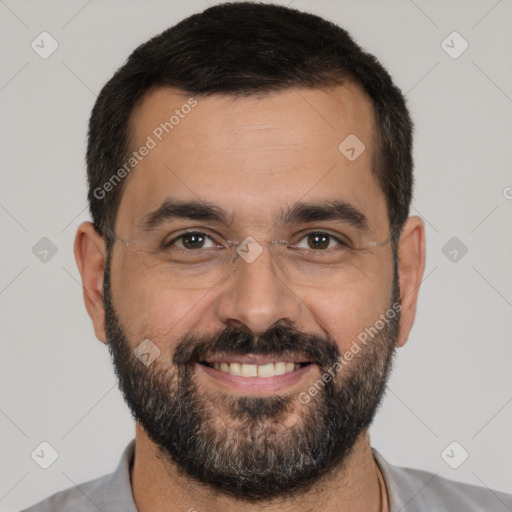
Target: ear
90, 256
411, 255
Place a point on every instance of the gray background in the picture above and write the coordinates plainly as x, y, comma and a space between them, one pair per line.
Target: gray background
453, 379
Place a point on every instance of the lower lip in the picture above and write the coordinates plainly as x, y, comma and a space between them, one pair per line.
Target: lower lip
257, 384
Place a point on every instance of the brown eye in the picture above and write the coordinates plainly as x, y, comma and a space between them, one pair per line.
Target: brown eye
192, 240
320, 241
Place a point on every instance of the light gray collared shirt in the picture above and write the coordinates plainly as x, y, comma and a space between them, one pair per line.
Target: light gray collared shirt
409, 490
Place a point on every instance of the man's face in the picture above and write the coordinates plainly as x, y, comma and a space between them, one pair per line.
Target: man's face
254, 158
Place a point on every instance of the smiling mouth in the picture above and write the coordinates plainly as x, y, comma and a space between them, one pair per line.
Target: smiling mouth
256, 370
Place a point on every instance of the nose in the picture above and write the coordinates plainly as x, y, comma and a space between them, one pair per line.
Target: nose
257, 295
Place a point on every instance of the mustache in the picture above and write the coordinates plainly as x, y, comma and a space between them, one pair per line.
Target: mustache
277, 341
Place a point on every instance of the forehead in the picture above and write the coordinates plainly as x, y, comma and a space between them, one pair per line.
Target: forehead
251, 155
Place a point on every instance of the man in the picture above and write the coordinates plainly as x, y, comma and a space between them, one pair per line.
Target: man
252, 268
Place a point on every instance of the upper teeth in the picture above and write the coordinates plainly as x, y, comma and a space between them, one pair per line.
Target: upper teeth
256, 370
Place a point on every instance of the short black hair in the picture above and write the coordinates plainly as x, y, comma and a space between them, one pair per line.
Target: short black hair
243, 49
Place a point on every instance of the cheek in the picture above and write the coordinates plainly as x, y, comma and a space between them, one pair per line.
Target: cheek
345, 314
149, 310
131, 288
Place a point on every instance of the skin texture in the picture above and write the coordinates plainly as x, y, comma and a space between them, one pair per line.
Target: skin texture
252, 156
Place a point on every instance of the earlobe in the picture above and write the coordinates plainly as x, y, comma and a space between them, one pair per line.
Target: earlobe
411, 255
90, 256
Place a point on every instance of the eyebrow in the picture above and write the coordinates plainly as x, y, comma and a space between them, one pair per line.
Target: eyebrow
335, 210
328, 210
177, 209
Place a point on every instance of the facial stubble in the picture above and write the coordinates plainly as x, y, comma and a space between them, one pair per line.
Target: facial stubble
253, 448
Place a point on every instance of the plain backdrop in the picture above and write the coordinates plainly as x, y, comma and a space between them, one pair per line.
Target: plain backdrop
453, 379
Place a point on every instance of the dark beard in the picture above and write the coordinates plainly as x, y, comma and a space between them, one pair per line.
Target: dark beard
242, 446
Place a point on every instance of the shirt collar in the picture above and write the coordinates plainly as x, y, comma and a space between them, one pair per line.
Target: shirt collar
118, 495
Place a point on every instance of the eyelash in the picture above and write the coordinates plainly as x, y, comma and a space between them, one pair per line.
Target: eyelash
167, 245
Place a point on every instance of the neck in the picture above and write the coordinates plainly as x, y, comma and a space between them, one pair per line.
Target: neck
158, 486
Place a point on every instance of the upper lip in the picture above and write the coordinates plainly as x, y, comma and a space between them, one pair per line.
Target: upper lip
257, 359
